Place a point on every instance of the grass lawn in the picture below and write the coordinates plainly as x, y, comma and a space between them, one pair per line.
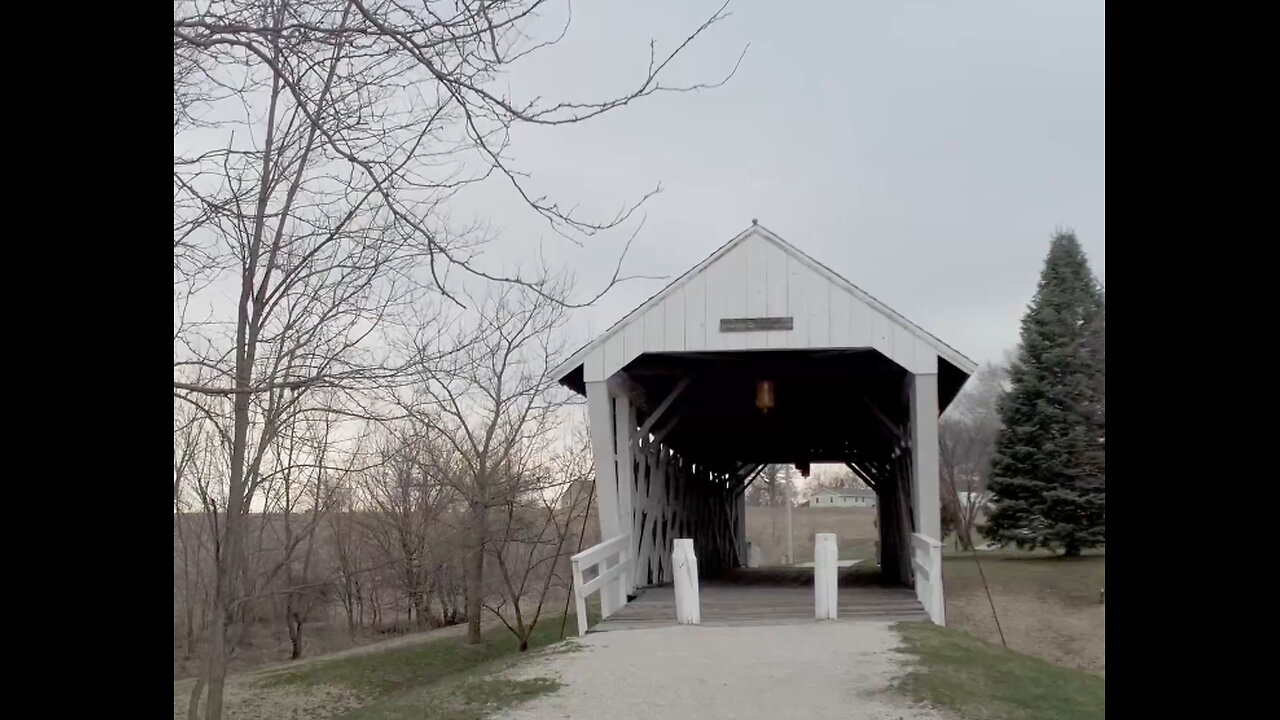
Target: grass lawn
981, 681
1049, 606
1071, 581
443, 678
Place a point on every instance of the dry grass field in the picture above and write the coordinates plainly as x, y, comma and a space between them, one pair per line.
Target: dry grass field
853, 527
1048, 606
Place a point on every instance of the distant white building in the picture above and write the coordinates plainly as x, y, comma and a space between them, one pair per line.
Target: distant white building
827, 497
974, 500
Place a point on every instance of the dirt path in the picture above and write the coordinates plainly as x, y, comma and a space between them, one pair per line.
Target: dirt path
811, 670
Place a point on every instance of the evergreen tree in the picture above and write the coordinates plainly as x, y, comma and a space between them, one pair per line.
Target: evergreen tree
1048, 476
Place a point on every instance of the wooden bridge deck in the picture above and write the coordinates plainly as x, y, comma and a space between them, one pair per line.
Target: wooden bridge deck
769, 596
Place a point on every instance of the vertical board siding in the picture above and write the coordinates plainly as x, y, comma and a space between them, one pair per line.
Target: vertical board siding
695, 314
674, 309
777, 275
904, 347
839, 318
716, 300
655, 327
757, 287
615, 352
818, 304
880, 333
859, 323
796, 304
735, 295
635, 339
759, 277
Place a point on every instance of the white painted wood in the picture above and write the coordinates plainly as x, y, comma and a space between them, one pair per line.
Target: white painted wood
655, 328
757, 289
924, 455
716, 299
741, 525
695, 312
926, 559
624, 430
735, 296
904, 347
880, 334
925, 500
818, 309
859, 323
797, 275
600, 419
674, 308
826, 585
684, 566
613, 560
777, 282
615, 351
746, 278
593, 365
735, 282
839, 317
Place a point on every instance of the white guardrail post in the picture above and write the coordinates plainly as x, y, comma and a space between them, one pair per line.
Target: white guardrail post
826, 579
613, 578
684, 566
927, 561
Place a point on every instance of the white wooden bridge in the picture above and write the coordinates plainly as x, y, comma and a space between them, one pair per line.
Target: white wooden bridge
759, 354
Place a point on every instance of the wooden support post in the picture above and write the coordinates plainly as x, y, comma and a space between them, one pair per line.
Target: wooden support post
740, 527
925, 499
826, 585
600, 418
791, 551
684, 565
624, 429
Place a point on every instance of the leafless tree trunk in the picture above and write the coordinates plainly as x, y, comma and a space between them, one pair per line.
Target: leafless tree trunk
966, 441
538, 524
490, 408
314, 143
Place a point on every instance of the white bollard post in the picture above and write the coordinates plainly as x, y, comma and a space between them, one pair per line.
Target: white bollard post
826, 596
684, 569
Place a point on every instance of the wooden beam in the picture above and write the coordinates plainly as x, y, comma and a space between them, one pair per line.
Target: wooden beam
755, 474
662, 408
863, 476
622, 384
886, 423
670, 425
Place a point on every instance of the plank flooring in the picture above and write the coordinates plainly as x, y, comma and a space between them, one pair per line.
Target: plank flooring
768, 596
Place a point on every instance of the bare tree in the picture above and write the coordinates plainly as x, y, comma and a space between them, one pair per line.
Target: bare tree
491, 408
316, 143
966, 440
407, 498
535, 534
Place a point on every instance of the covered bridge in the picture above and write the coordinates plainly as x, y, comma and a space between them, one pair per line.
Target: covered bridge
760, 354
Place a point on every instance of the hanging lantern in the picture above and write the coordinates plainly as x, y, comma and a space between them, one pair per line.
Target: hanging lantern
764, 395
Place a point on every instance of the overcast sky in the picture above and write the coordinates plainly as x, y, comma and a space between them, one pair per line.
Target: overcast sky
924, 150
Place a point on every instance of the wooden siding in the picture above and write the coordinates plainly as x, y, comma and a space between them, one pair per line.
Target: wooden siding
758, 277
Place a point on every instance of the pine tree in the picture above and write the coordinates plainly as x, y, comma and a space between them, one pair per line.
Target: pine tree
1048, 476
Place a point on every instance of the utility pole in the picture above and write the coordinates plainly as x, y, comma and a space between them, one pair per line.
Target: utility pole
791, 557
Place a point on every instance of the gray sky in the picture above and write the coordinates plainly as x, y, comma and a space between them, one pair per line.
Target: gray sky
948, 138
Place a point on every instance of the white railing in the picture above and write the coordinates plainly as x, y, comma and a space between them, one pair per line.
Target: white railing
926, 558
612, 559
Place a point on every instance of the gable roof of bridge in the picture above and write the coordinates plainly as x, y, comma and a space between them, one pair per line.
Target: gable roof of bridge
755, 275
